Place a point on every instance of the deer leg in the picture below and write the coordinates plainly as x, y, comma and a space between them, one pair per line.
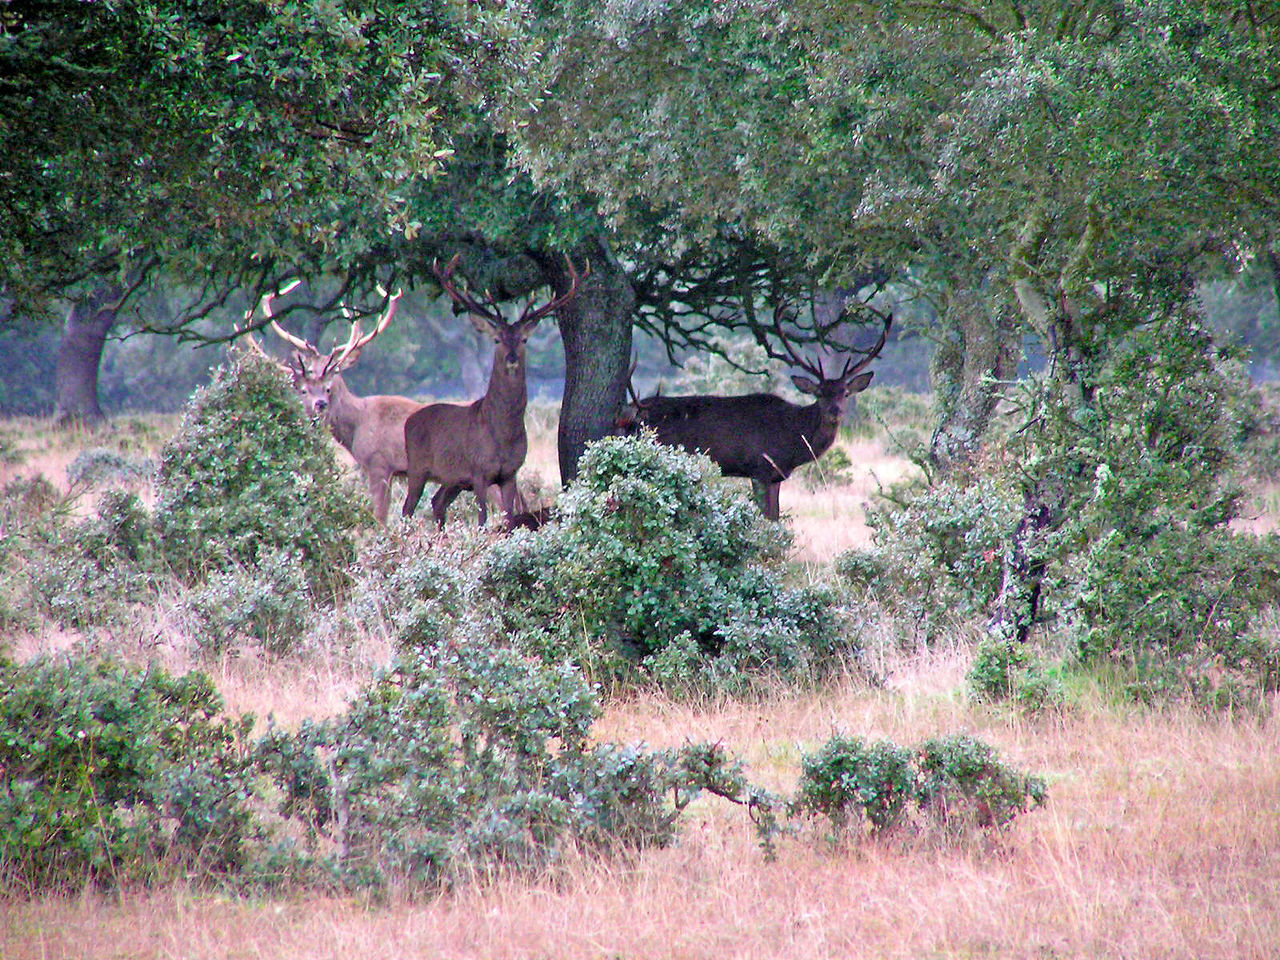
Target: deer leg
416, 485
510, 495
480, 487
766, 493
380, 490
443, 497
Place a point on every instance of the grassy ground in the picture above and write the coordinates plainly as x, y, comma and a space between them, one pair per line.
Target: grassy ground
1160, 839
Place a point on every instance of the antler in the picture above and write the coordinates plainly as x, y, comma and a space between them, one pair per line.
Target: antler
870, 354
816, 368
264, 304
575, 281
356, 342
490, 311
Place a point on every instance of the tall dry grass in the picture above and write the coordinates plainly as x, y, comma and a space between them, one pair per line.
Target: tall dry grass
1159, 841
1161, 838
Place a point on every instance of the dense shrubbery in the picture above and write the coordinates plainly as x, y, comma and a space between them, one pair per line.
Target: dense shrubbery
117, 775
248, 475
1135, 481
656, 566
938, 550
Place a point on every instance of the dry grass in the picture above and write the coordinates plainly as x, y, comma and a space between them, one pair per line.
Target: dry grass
1160, 840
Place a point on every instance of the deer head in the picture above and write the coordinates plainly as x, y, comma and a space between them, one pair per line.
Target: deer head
832, 393
487, 318
316, 375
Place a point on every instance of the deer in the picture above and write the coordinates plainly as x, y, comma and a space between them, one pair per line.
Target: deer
759, 436
370, 428
481, 444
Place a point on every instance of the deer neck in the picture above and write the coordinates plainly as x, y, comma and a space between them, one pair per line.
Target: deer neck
345, 412
504, 402
821, 423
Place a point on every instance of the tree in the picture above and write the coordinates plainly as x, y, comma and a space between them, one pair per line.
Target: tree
232, 144
1078, 163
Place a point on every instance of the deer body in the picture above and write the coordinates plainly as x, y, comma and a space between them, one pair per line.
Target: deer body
470, 446
371, 428
481, 444
759, 436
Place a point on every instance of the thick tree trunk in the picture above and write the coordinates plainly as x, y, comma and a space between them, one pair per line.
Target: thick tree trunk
80, 356
596, 330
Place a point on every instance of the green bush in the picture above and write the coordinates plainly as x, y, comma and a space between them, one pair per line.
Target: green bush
268, 604
938, 551
248, 475
92, 572
849, 777
1005, 669
963, 784
115, 776
656, 569
957, 783
467, 757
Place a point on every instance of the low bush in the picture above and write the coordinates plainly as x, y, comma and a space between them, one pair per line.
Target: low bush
92, 572
657, 570
118, 776
956, 783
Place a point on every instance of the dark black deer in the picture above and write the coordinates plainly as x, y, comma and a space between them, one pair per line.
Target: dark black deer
476, 445
760, 436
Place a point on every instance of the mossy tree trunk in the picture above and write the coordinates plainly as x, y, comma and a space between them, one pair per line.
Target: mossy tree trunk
596, 330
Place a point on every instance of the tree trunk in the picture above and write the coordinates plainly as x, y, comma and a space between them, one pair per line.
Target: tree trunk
80, 356
596, 330
980, 352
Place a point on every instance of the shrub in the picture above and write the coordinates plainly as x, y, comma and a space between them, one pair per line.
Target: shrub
1005, 669
469, 756
115, 776
89, 573
267, 603
955, 782
849, 776
938, 551
963, 783
248, 475
97, 466
655, 567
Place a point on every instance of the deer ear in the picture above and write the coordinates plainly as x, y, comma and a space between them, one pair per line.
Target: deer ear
805, 385
859, 383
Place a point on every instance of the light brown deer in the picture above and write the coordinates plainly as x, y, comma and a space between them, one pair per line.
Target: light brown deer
370, 428
760, 436
481, 444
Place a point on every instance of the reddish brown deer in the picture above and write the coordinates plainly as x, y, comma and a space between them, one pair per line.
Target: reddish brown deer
370, 428
481, 444
760, 436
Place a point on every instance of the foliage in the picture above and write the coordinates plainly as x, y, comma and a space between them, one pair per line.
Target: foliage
956, 782
118, 776
98, 466
267, 603
289, 133
247, 475
963, 783
91, 572
655, 569
1004, 669
468, 756
937, 549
